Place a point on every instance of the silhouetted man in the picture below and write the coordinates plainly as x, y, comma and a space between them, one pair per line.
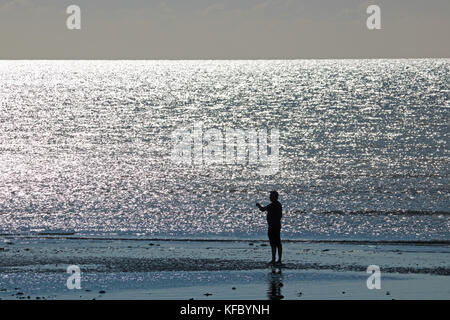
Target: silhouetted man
274, 213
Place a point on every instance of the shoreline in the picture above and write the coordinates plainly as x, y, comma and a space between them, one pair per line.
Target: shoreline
38, 266
72, 236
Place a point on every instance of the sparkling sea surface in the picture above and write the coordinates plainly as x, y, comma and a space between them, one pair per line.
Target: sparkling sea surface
85, 147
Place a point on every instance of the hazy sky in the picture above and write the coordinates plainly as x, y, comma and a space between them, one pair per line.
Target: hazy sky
223, 29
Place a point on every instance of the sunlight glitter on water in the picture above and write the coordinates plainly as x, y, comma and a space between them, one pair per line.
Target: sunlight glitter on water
85, 146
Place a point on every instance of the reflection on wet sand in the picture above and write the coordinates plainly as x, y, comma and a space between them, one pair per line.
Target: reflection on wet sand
275, 281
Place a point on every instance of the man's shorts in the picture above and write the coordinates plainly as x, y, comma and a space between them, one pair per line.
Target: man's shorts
274, 237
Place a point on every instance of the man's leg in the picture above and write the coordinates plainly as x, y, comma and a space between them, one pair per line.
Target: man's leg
280, 248
273, 245
274, 252
280, 252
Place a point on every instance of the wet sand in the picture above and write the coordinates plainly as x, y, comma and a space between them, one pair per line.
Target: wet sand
36, 267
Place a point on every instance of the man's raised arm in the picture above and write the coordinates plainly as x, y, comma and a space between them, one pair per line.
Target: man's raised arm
260, 207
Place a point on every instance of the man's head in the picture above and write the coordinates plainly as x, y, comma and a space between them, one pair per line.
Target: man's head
273, 196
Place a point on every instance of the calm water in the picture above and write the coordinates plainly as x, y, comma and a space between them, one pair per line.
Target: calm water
363, 148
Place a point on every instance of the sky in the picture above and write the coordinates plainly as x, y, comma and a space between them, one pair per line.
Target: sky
224, 29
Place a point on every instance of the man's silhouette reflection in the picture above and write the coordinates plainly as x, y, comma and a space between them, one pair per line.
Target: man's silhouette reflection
275, 279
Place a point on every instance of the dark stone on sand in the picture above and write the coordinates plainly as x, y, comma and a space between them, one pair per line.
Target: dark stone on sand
38, 298
325, 250
151, 244
388, 293
207, 294
343, 292
250, 244
263, 245
19, 293
234, 288
102, 291
87, 290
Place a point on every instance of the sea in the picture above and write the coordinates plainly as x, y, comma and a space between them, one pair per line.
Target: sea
358, 149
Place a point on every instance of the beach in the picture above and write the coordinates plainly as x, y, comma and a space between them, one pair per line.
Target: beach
36, 268
143, 175
223, 151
